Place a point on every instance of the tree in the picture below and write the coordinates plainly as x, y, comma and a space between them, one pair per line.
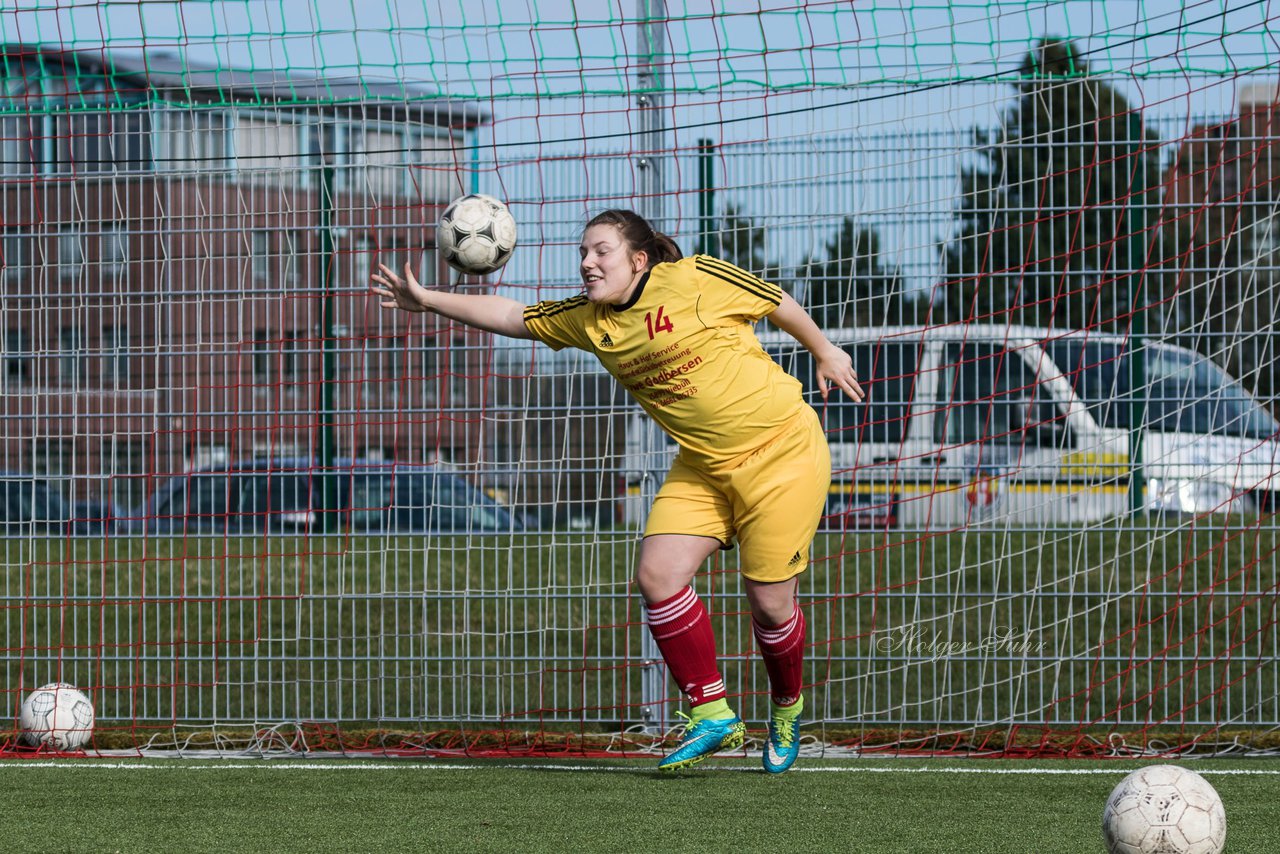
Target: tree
739, 240
1042, 235
851, 286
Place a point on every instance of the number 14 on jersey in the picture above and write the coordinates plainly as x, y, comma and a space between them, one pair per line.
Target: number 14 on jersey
657, 322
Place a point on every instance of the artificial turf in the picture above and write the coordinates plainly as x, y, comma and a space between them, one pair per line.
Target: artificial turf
984, 806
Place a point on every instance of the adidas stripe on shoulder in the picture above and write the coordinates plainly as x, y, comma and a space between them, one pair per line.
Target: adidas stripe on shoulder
739, 278
552, 308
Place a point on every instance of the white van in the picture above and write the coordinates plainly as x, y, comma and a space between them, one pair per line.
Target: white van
967, 425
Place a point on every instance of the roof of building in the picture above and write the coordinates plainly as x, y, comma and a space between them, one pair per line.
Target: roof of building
171, 75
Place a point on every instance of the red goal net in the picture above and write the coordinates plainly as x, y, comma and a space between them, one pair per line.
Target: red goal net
245, 507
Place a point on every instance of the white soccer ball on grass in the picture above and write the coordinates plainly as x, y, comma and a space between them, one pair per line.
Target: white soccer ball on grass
1164, 809
476, 234
57, 715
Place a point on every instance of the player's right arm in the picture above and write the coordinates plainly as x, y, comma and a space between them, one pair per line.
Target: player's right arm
489, 312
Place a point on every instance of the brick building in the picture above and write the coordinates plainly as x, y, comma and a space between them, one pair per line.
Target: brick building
185, 262
1220, 259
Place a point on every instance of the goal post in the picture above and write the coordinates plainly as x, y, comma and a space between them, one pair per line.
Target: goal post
244, 506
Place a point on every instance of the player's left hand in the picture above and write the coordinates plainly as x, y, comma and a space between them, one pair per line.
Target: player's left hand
835, 367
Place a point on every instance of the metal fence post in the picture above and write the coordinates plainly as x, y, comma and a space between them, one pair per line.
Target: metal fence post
652, 16
1135, 219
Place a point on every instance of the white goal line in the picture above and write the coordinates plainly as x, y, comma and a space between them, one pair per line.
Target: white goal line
284, 764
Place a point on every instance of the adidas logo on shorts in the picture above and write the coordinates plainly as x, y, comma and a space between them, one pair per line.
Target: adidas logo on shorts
795, 559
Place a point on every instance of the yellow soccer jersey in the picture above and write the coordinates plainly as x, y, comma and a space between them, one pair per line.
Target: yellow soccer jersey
685, 349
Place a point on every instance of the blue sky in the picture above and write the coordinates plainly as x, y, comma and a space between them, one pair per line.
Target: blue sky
789, 72
478, 49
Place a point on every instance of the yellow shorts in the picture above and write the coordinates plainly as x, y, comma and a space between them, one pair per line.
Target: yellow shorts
770, 500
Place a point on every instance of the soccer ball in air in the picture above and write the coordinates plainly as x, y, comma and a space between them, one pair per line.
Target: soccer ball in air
1164, 809
476, 234
58, 715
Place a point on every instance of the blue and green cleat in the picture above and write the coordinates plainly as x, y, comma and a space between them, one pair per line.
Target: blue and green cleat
703, 738
783, 744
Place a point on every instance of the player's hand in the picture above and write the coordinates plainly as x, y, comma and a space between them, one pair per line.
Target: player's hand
396, 292
834, 366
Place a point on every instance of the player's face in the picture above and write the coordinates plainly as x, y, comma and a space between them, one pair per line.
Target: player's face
609, 268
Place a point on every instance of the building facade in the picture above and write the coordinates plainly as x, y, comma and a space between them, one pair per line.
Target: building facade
1219, 248
186, 254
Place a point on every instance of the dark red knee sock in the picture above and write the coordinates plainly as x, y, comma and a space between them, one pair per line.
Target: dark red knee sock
682, 629
782, 648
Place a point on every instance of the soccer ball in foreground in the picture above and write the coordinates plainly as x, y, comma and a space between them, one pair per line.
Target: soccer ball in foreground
1164, 809
476, 234
57, 715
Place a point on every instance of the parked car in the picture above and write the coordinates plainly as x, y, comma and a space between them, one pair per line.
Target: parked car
966, 425
31, 505
288, 496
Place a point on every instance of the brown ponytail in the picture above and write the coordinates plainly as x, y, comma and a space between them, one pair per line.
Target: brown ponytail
639, 235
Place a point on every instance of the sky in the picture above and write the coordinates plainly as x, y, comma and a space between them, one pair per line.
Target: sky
521, 48
908, 81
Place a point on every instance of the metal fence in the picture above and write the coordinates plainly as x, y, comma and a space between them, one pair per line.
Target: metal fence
998, 553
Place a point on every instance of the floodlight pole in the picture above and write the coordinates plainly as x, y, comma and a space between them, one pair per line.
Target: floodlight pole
650, 187
651, 18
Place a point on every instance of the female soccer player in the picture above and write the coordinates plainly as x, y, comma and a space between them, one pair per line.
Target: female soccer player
753, 463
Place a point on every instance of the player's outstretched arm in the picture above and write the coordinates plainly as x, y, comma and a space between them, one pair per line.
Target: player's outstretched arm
831, 364
489, 312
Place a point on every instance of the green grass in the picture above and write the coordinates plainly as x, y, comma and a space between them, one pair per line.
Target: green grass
1158, 627
881, 805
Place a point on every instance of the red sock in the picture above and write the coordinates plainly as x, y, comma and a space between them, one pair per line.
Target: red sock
682, 629
782, 648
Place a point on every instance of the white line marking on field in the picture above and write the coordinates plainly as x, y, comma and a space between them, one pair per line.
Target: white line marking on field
428, 765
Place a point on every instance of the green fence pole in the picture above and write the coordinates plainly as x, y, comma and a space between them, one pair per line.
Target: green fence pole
329, 382
1135, 221
707, 197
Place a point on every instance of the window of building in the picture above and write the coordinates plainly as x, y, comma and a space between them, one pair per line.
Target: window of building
382, 380
88, 131
289, 358
379, 160
260, 254
268, 149
262, 357
98, 142
78, 142
275, 358
73, 364
294, 255
19, 145
194, 140
113, 248
17, 254
428, 267
130, 140
356, 262
430, 356
327, 142
70, 252
115, 357
212, 146
17, 357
